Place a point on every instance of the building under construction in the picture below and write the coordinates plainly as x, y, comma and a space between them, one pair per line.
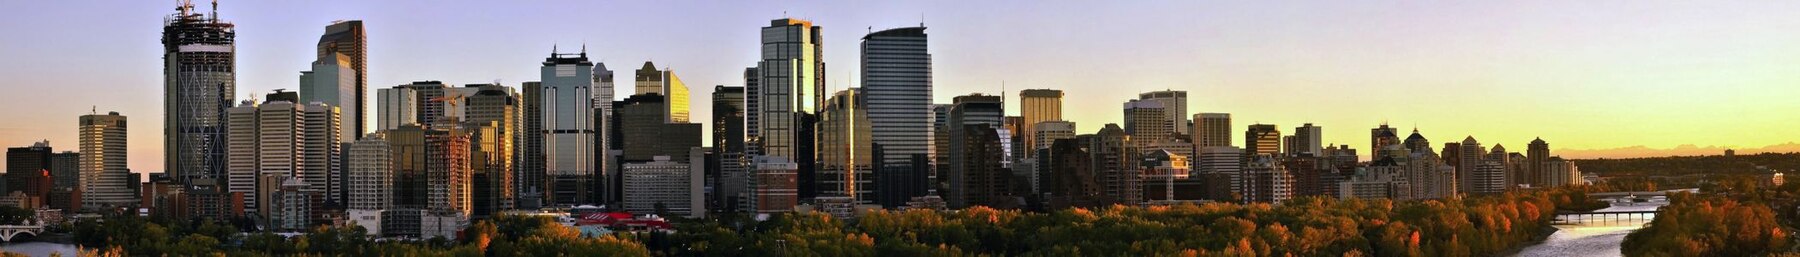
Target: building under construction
199, 68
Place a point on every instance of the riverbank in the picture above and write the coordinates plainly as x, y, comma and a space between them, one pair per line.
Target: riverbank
1539, 239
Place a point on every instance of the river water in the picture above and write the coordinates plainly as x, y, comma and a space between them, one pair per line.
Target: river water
1591, 240
40, 248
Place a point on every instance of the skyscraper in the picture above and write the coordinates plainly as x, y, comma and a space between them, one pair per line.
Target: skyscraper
1383, 136
897, 83
665, 83
845, 154
333, 82
348, 39
282, 139
1262, 139
370, 170
789, 89
732, 180
971, 118
1537, 154
491, 114
28, 171
1115, 160
1307, 140
560, 111
103, 173
1174, 103
396, 106
1148, 122
200, 82
1469, 157
1037, 106
1212, 129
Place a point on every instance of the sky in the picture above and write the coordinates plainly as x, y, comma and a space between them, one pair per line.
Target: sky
1600, 78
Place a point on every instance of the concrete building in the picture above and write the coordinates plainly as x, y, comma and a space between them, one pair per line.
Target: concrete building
28, 172
370, 168
1222, 166
1164, 167
1212, 129
1383, 136
775, 185
396, 106
1308, 140
663, 186
282, 138
104, 177
1262, 139
1374, 182
1115, 163
1147, 122
1559, 172
1469, 157
1266, 181
1174, 105
1537, 155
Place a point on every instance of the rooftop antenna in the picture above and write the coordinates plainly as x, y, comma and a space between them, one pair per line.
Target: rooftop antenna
921, 19
215, 10
94, 109
583, 48
552, 48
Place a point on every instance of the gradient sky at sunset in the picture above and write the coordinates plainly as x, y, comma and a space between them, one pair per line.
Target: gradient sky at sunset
1581, 74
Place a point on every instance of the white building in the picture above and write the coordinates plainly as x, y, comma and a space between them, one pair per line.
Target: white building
1374, 182
397, 106
665, 182
371, 178
284, 139
1559, 172
1222, 160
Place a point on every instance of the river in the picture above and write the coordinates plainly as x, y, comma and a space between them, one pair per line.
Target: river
1591, 240
39, 248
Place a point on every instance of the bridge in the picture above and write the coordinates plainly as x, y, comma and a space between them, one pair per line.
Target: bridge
8, 232
1605, 217
1641, 193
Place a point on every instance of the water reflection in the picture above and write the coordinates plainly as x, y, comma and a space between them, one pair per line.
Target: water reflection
1591, 240
40, 248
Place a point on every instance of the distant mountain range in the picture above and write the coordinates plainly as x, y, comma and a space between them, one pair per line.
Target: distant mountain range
1683, 150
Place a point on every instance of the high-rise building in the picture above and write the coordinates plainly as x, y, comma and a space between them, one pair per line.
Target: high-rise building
28, 171
1050, 131
1383, 136
1266, 181
975, 113
1212, 129
659, 185
789, 88
199, 83
665, 83
980, 175
1262, 139
429, 101
1115, 161
1413, 143
1165, 167
103, 172
431, 169
1469, 157
1174, 103
370, 168
1537, 154
282, 139
1559, 172
348, 39
732, 180
561, 133
846, 159
65, 173
491, 114
1070, 180
1307, 141
1148, 123
1037, 106
896, 80
396, 106
775, 186
333, 82
1222, 167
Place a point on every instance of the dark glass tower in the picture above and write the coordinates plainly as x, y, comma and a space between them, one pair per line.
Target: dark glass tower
200, 74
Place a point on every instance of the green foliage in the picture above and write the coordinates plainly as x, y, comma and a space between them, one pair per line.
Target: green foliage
1687, 165
1694, 225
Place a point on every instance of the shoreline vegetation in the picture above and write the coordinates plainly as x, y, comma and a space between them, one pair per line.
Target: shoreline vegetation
1309, 226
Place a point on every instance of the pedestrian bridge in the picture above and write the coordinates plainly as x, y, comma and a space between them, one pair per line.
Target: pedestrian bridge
8, 232
1604, 217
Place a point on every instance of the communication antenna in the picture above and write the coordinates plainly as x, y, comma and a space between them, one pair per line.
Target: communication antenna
215, 9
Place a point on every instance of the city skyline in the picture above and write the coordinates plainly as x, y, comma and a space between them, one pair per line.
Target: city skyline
1283, 77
